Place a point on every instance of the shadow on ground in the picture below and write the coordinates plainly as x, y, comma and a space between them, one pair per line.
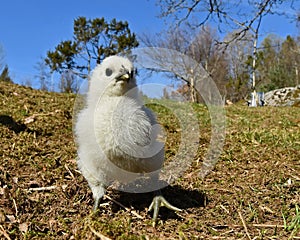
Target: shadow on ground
9, 122
176, 195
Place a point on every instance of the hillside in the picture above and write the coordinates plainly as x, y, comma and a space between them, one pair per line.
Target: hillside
253, 192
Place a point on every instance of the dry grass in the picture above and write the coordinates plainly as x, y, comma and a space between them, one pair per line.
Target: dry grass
253, 193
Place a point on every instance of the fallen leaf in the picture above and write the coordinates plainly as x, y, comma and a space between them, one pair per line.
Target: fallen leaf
2, 217
11, 218
23, 227
29, 119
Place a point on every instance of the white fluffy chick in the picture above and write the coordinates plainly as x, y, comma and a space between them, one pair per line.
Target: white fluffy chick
116, 134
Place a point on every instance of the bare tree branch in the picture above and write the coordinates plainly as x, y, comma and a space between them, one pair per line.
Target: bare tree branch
202, 49
229, 14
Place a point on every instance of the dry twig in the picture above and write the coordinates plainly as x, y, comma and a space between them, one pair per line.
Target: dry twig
101, 236
4, 233
68, 169
15, 205
126, 208
244, 225
251, 225
45, 188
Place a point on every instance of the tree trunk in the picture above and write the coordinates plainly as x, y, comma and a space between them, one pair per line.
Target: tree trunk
254, 100
192, 87
192, 90
254, 95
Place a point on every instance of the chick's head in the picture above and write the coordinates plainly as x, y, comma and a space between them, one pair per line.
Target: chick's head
114, 76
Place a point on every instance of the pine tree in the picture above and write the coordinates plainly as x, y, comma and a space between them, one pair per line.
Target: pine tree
93, 40
4, 76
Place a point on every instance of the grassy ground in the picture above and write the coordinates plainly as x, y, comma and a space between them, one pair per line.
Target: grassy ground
253, 192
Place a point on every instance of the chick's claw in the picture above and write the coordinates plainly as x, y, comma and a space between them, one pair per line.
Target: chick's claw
160, 201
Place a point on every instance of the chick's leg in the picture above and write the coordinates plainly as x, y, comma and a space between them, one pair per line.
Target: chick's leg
98, 192
159, 201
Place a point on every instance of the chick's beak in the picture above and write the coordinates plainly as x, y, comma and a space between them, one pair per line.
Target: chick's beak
124, 77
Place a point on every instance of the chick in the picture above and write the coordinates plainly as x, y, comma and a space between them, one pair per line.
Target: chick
117, 135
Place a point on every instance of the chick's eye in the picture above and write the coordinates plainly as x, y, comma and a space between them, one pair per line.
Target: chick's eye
108, 72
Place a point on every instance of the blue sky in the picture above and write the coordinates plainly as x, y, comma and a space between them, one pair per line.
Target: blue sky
29, 28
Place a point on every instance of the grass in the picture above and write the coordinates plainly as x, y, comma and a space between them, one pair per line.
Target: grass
294, 224
253, 192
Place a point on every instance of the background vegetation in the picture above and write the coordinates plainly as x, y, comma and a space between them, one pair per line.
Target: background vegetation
239, 61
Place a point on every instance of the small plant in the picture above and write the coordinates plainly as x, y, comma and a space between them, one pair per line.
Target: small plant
294, 224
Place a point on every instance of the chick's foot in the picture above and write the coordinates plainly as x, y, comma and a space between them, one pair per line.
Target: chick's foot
157, 202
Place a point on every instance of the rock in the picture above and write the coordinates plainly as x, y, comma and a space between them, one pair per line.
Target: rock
289, 96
